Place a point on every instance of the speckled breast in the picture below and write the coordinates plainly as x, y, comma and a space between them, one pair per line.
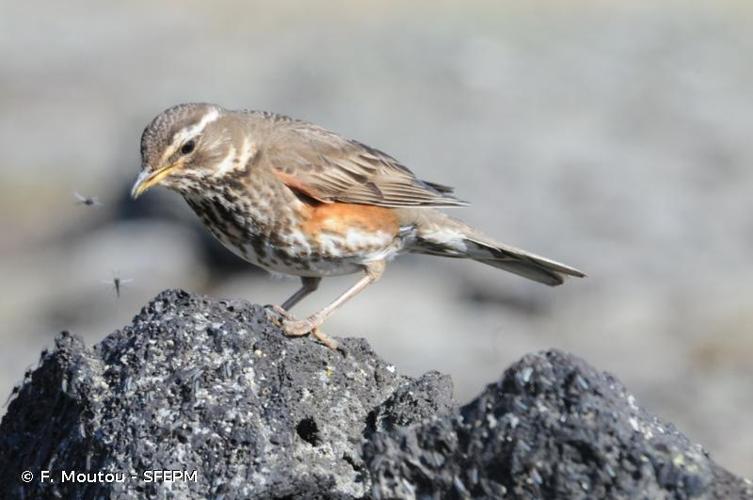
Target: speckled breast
300, 239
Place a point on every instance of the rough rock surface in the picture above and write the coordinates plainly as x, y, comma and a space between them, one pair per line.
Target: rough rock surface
552, 427
213, 386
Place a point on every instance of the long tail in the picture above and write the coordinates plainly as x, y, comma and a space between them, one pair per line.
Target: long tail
439, 234
517, 261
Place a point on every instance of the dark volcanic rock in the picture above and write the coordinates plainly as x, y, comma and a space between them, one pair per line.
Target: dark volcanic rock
552, 427
198, 384
201, 385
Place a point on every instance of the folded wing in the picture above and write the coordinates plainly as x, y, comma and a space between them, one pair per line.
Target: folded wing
330, 168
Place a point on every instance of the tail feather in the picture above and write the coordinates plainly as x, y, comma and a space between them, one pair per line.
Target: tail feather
520, 262
439, 234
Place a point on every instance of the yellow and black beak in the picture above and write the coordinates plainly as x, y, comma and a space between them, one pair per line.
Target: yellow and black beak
147, 179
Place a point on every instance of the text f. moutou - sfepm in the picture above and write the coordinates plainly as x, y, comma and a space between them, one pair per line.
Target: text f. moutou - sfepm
148, 476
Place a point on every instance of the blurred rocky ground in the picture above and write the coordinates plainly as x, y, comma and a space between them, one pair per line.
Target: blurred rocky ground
612, 137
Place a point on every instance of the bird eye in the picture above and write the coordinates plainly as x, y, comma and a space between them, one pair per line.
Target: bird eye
188, 147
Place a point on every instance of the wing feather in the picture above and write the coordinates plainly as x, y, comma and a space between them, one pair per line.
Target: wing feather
330, 168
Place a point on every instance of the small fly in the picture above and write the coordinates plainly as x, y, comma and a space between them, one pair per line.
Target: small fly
89, 201
117, 283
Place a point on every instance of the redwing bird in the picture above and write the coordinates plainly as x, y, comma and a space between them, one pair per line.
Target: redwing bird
298, 199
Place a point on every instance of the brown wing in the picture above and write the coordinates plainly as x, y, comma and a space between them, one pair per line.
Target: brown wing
330, 168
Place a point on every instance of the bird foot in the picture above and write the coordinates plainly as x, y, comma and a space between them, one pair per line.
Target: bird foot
282, 313
325, 339
292, 327
298, 328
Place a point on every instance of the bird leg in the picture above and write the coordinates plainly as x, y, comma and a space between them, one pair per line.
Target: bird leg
308, 286
296, 328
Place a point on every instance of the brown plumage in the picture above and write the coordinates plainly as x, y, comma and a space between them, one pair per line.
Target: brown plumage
296, 198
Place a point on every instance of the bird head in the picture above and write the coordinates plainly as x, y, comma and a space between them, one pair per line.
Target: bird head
181, 147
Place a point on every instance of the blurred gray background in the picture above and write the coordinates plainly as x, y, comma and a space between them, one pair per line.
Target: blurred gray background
616, 138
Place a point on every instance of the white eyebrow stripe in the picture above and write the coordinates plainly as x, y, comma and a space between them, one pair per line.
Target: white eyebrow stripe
211, 116
181, 137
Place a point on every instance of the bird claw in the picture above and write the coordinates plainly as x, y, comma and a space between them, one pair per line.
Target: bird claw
298, 328
281, 313
292, 327
325, 339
